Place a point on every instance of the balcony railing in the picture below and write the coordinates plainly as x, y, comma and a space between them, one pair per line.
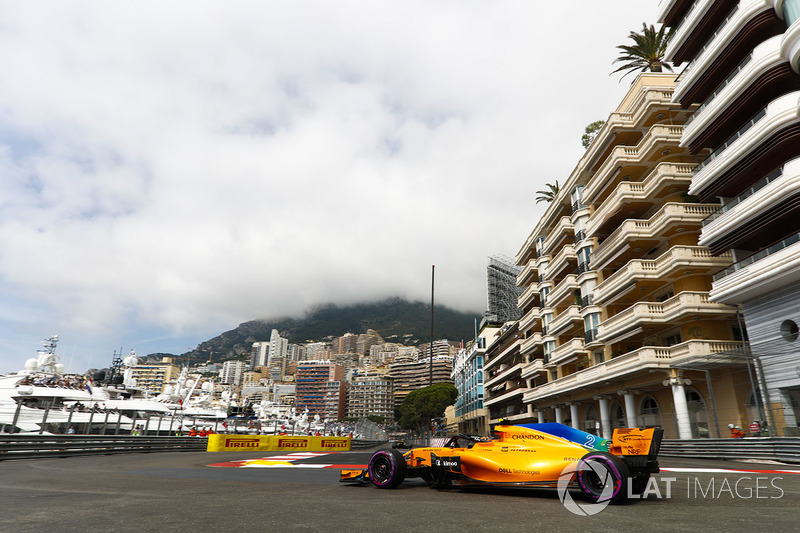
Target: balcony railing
775, 248
720, 87
685, 303
732, 139
590, 335
641, 360
733, 202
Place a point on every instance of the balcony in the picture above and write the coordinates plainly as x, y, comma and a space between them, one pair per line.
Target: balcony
502, 375
647, 153
559, 234
560, 323
530, 344
529, 319
641, 195
750, 220
528, 273
533, 368
567, 352
680, 308
640, 361
671, 218
676, 262
505, 396
564, 290
528, 296
769, 270
740, 24
742, 83
759, 144
560, 261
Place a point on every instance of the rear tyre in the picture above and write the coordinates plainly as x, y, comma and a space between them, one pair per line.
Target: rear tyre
602, 477
387, 469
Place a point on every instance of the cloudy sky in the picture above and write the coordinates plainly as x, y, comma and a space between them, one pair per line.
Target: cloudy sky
172, 169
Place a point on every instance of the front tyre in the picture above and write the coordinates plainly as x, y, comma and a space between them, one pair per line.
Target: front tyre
387, 469
602, 477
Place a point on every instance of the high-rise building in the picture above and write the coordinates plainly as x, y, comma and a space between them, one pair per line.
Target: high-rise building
371, 395
259, 354
468, 377
503, 382
740, 63
368, 340
617, 327
154, 377
502, 290
311, 381
232, 372
417, 375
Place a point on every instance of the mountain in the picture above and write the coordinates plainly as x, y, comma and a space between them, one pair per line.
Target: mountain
397, 320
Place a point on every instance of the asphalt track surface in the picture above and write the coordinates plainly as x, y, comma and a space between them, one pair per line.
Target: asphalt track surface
181, 492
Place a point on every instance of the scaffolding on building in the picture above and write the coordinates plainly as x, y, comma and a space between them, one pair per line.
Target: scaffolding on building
502, 290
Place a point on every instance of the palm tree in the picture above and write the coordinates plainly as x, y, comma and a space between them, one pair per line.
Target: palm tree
647, 53
549, 195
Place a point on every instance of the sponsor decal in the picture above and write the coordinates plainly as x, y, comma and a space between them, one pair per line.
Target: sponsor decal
519, 471
504, 449
451, 463
328, 443
527, 437
570, 459
632, 439
293, 443
241, 443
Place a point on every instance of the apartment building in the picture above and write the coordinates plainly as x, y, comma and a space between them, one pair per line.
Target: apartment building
504, 385
371, 395
740, 63
311, 385
470, 415
417, 375
617, 327
232, 372
153, 377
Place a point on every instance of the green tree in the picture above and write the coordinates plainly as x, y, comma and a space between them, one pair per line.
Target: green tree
647, 52
549, 195
591, 132
423, 405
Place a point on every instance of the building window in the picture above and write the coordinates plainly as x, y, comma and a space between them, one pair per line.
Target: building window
791, 11
789, 330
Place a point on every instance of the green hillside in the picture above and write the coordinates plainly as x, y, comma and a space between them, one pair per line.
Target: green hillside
397, 320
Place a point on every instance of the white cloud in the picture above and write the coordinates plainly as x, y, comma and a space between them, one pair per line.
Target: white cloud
205, 163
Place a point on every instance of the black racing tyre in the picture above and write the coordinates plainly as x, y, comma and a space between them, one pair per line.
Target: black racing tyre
387, 469
639, 482
602, 477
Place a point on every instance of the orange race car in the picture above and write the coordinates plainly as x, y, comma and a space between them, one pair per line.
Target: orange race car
528, 455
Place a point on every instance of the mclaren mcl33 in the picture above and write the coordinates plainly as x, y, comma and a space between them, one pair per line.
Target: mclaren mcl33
529, 455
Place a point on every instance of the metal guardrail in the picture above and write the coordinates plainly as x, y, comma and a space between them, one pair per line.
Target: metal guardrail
785, 449
41, 446
363, 444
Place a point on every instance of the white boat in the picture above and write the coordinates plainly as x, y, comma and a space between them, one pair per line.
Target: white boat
41, 398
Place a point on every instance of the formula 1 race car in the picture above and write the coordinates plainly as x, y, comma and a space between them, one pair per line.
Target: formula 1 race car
528, 455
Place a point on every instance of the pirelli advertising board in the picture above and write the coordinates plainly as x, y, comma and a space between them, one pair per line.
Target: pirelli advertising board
262, 443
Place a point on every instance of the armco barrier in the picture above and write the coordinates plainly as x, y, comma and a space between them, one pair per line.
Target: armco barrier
39, 446
786, 449
269, 443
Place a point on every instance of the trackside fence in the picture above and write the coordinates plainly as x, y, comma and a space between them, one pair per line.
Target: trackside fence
39, 446
785, 449
363, 444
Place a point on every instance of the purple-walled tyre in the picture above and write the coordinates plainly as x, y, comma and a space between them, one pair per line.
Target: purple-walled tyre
602, 477
387, 469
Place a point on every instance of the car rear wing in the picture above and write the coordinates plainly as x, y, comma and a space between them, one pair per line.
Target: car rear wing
639, 442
